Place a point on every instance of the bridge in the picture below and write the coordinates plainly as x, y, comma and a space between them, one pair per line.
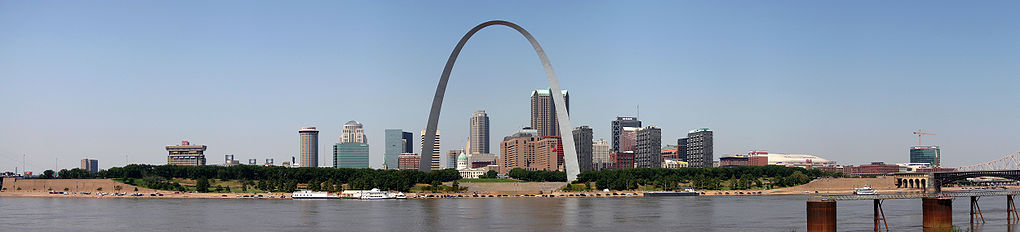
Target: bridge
937, 206
1007, 167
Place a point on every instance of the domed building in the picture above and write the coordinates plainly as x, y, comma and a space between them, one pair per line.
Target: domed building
462, 162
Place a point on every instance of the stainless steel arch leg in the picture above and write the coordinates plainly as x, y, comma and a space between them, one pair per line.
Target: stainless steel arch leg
569, 153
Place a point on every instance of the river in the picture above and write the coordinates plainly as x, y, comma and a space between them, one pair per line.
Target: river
744, 213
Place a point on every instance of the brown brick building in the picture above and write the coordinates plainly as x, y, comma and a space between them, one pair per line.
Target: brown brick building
528, 151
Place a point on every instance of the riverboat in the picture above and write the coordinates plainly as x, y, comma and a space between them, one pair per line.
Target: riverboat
866, 190
686, 192
307, 194
373, 194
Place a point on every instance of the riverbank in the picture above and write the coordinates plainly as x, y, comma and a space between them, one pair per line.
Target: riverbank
89, 188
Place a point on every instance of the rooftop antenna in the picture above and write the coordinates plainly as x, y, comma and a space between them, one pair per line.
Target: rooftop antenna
638, 111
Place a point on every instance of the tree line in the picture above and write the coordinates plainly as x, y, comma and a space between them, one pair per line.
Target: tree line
537, 176
743, 177
272, 178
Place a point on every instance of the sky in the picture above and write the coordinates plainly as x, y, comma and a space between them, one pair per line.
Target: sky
848, 81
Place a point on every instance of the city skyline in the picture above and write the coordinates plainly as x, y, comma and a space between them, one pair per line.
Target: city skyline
810, 79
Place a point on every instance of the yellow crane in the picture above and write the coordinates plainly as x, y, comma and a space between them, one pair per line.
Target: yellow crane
919, 133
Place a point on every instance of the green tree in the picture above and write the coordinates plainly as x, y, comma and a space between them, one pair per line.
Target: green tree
491, 174
48, 174
202, 185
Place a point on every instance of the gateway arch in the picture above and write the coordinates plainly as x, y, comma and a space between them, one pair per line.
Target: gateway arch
569, 153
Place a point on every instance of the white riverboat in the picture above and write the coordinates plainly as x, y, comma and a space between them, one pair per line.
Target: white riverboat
866, 190
374, 194
308, 194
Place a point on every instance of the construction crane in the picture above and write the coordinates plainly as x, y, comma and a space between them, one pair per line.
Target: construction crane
919, 133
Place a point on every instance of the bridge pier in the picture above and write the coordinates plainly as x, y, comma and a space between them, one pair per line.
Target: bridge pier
1011, 214
880, 216
821, 216
975, 210
937, 212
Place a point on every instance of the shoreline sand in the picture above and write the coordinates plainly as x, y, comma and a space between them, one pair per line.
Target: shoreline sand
41, 188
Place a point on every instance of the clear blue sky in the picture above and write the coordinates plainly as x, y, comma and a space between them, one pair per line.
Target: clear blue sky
848, 81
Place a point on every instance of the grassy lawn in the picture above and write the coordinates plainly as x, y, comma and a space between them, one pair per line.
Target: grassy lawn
189, 184
488, 180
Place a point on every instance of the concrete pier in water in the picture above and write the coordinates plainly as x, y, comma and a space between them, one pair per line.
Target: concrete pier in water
937, 212
821, 216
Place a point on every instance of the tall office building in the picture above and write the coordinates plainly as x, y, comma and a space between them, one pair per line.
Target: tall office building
681, 149
618, 126
648, 152
350, 155
451, 158
90, 165
926, 154
600, 155
628, 139
353, 132
396, 144
309, 151
435, 151
526, 151
186, 154
583, 146
479, 143
408, 140
699, 148
543, 112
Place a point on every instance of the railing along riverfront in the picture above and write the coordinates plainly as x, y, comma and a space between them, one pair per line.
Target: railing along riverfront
977, 193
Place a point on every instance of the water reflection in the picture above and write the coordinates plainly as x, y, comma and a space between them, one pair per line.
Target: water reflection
753, 213
309, 213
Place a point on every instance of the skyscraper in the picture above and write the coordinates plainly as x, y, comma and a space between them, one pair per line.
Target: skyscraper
543, 112
90, 165
583, 145
396, 144
309, 151
350, 155
186, 154
628, 139
648, 152
451, 158
526, 151
435, 151
699, 148
600, 155
618, 126
408, 140
353, 132
681, 149
926, 154
479, 143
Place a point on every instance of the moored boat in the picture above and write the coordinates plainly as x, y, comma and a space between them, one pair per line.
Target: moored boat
308, 194
866, 190
373, 194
